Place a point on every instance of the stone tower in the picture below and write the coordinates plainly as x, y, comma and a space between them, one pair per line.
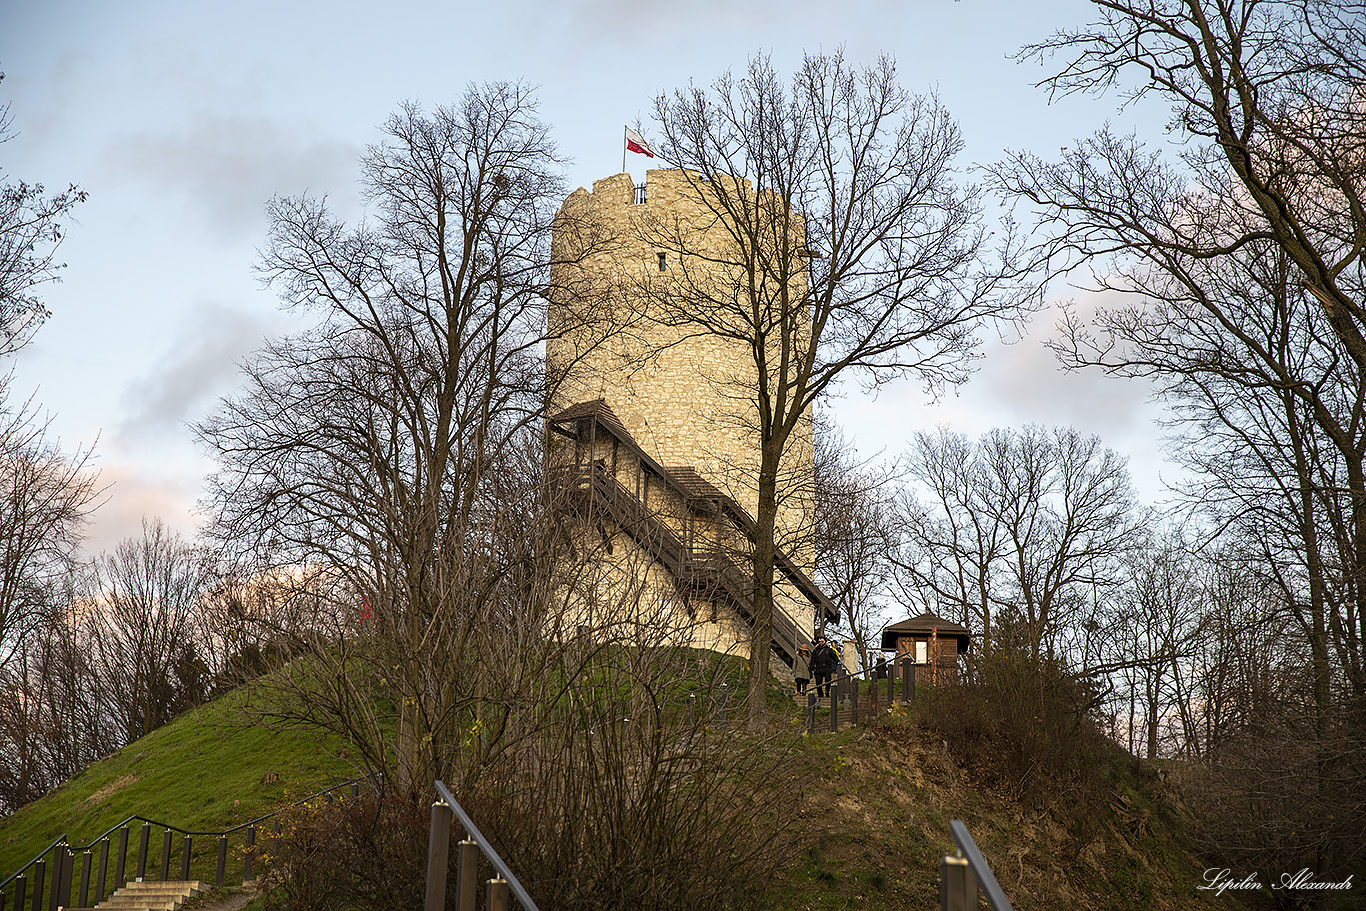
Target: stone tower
687, 398
653, 423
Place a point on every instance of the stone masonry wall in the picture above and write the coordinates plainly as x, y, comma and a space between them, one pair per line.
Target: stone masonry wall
687, 399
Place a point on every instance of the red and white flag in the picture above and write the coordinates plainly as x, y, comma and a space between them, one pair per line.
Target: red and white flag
634, 143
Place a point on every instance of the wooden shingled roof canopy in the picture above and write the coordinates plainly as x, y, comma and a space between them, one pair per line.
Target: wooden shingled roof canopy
925, 625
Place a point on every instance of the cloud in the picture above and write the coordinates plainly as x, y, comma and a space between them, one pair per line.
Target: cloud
200, 364
131, 494
230, 166
1026, 381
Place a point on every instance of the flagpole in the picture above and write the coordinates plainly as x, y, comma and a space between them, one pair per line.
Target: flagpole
623, 149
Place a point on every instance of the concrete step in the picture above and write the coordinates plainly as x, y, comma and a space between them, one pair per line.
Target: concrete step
151, 896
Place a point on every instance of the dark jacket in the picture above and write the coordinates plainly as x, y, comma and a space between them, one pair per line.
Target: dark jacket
825, 660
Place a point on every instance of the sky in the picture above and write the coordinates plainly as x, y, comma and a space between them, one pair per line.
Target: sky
182, 119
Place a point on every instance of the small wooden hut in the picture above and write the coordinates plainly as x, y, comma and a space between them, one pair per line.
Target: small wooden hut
929, 643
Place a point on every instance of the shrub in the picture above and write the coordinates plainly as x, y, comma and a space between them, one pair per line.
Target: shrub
1026, 728
351, 853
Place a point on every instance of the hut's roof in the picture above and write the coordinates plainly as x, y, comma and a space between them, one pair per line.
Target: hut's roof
924, 625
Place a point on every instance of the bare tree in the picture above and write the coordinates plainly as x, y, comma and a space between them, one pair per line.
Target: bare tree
1243, 262
951, 542
30, 231
142, 615
855, 536
1024, 526
850, 251
391, 454
1152, 631
45, 498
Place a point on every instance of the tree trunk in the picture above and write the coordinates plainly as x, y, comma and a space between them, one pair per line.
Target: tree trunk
763, 562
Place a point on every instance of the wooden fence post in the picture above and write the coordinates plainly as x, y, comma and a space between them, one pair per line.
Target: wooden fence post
39, 875
498, 894
101, 878
86, 859
120, 866
438, 855
143, 840
248, 854
957, 885
467, 875
60, 896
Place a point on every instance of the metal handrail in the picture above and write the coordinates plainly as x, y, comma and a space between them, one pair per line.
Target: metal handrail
62, 839
986, 880
484, 845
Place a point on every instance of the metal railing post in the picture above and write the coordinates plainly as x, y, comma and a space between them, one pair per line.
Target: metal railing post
467, 876
187, 844
996, 896
725, 691
438, 855
811, 711
834, 690
853, 701
20, 892
907, 669
692, 713
220, 874
891, 681
498, 894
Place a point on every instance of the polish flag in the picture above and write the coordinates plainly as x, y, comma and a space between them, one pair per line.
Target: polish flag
635, 143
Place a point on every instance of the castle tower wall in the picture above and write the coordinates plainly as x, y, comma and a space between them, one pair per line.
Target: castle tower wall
687, 397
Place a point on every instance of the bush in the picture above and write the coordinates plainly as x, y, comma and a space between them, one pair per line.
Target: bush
350, 853
1025, 728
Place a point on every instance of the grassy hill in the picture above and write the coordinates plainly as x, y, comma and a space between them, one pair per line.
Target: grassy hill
882, 810
209, 769
874, 811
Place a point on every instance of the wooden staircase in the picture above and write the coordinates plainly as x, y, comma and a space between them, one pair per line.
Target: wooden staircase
149, 896
711, 573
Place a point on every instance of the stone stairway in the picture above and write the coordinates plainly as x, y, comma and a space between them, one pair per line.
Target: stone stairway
149, 896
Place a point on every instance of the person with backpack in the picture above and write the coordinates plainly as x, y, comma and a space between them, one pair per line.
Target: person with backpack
824, 662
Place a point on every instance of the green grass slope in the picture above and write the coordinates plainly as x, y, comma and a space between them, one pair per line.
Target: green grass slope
878, 811
876, 803
209, 769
